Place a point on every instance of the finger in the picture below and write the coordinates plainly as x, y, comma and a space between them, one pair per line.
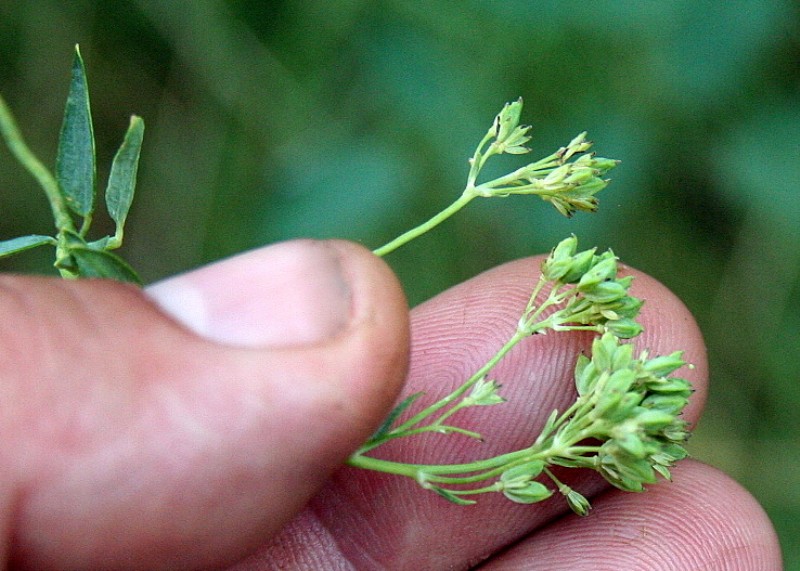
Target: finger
371, 520
704, 520
135, 439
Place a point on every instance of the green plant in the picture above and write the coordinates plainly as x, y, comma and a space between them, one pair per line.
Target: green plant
626, 420
72, 191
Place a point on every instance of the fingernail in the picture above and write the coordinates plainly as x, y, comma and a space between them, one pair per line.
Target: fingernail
288, 294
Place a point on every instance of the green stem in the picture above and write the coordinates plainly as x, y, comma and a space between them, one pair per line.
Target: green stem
17, 146
406, 237
421, 472
481, 373
471, 492
437, 428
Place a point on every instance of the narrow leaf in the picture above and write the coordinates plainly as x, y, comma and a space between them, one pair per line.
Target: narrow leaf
451, 497
103, 264
15, 245
393, 416
75, 162
122, 180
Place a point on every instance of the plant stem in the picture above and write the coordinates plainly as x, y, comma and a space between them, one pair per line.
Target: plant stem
422, 471
17, 146
406, 237
479, 374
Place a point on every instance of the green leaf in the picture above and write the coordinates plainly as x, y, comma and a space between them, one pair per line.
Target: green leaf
92, 263
451, 497
393, 416
75, 162
122, 180
15, 245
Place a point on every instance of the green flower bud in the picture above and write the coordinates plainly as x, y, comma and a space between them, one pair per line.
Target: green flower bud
592, 186
518, 486
584, 204
530, 493
586, 375
580, 264
605, 292
677, 432
605, 269
663, 471
624, 328
559, 262
620, 381
556, 177
527, 471
664, 365
565, 249
484, 393
577, 502
623, 483
603, 351
563, 207
607, 404
603, 165
579, 175
625, 307
623, 409
636, 469
507, 120
653, 419
674, 451
669, 386
577, 145
623, 357
515, 144
632, 443
670, 404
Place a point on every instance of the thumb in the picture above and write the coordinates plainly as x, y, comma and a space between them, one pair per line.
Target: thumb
180, 427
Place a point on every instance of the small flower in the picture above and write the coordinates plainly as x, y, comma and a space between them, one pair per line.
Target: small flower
529, 493
518, 483
604, 269
577, 145
509, 136
664, 365
564, 265
623, 328
484, 393
577, 502
507, 120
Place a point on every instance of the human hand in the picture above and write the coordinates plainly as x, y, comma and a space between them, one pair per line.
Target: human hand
214, 424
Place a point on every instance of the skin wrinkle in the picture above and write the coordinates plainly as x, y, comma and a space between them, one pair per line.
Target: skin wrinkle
668, 526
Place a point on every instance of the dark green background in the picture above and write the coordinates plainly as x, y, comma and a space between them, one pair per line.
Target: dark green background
354, 118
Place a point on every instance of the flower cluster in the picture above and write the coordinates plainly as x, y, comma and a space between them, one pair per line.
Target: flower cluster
568, 186
636, 411
588, 292
626, 420
626, 424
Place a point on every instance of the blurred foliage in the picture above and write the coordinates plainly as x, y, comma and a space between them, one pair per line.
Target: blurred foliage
270, 120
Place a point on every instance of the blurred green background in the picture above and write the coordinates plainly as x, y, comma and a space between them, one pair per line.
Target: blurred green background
354, 118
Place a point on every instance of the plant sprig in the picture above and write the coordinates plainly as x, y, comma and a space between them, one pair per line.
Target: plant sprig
72, 190
629, 409
568, 178
626, 420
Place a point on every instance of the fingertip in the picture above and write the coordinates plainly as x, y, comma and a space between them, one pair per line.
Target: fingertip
703, 519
